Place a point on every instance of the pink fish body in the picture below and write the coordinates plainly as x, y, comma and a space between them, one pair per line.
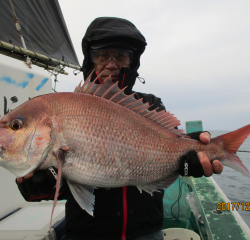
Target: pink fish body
99, 137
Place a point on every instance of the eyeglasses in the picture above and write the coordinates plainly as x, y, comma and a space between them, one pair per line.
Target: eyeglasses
103, 56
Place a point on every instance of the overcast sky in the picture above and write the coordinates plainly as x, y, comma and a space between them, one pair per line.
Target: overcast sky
197, 59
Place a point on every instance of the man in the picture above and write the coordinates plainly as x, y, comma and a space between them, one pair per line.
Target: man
113, 46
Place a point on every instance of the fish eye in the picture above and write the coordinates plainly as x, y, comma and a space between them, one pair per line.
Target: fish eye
16, 124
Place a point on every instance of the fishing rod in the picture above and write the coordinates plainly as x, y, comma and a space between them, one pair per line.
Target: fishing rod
243, 151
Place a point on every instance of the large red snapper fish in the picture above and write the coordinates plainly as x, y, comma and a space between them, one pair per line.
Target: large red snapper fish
100, 137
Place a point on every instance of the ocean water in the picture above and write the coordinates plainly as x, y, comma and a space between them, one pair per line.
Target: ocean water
235, 185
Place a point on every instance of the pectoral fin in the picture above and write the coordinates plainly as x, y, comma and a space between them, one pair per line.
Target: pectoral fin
84, 196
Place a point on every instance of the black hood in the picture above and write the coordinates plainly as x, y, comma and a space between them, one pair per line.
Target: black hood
110, 29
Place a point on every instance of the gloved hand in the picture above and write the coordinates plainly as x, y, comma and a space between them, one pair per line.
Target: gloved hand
41, 186
190, 164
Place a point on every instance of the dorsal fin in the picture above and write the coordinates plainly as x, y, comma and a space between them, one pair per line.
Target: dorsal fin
111, 91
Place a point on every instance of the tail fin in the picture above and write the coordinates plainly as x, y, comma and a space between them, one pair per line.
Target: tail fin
232, 141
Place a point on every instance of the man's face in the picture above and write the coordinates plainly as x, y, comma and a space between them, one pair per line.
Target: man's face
110, 61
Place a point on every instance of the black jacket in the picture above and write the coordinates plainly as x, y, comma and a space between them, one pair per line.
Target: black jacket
144, 215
